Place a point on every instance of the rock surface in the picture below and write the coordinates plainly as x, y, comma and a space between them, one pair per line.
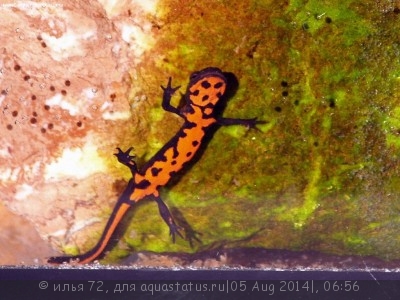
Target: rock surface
66, 72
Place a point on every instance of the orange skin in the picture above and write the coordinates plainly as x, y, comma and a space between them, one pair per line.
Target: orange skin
205, 90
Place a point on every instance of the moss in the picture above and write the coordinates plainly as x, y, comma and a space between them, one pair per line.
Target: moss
115, 255
391, 125
70, 250
312, 16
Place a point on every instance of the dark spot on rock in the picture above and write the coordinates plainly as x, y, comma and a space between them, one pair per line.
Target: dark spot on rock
9, 127
43, 44
284, 83
218, 85
67, 82
278, 109
205, 84
332, 103
27, 77
285, 93
143, 184
155, 171
46, 107
305, 26
50, 126
188, 154
328, 20
113, 96
43, 130
316, 144
34, 114
253, 49
39, 38
396, 10
52, 88
33, 97
195, 143
63, 92
173, 163
33, 120
17, 67
158, 26
219, 95
196, 92
205, 98
79, 124
3, 92
296, 102
14, 113
172, 174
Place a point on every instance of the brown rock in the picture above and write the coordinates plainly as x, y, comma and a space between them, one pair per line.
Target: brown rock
64, 87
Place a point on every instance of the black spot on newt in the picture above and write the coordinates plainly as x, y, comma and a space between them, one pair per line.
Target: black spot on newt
205, 84
218, 85
143, 184
155, 171
205, 98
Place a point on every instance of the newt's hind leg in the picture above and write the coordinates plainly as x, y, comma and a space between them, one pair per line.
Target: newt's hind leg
167, 217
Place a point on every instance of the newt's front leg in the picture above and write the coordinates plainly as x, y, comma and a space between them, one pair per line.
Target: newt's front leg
168, 92
127, 160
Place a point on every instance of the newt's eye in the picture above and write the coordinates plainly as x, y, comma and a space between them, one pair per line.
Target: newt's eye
194, 75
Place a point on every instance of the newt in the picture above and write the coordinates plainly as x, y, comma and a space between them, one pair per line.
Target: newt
205, 90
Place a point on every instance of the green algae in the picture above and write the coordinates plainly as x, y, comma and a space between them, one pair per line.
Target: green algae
323, 171
392, 126
70, 250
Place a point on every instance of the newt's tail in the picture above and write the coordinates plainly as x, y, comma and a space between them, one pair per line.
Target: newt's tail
118, 213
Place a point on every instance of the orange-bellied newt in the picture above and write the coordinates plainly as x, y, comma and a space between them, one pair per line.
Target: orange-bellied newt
205, 90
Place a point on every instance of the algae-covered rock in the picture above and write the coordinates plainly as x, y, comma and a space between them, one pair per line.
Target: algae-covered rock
322, 174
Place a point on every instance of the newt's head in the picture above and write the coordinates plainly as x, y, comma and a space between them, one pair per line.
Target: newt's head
206, 87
